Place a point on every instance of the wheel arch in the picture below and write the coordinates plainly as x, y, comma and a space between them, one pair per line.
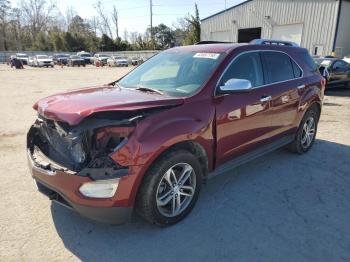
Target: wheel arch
191, 146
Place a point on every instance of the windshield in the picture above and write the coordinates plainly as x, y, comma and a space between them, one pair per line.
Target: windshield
22, 55
74, 57
175, 73
85, 55
63, 55
42, 56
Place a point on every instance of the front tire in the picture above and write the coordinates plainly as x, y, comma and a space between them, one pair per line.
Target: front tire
306, 133
170, 188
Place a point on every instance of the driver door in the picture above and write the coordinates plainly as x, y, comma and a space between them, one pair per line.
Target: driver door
243, 118
340, 71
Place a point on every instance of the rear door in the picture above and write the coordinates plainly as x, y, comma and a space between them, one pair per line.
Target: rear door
284, 78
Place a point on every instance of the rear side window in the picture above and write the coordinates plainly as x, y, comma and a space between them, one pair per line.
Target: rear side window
297, 70
278, 67
307, 59
247, 66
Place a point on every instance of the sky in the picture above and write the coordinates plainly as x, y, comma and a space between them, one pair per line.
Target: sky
134, 15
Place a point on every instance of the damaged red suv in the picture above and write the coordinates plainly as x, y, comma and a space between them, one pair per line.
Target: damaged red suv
149, 140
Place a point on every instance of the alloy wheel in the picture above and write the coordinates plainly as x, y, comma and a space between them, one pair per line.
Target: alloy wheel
176, 190
308, 132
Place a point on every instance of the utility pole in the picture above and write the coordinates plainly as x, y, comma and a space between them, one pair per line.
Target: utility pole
151, 17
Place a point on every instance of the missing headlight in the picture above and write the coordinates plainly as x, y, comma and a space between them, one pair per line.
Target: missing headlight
78, 152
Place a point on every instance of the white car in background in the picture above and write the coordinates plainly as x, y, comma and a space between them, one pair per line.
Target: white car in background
347, 59
31, 61
102, 58
43, 61
117, 61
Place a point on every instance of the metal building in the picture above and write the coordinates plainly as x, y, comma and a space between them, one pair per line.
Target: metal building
322, 26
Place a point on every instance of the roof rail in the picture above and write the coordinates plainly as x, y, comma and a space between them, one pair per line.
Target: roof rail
272, 42
211, 42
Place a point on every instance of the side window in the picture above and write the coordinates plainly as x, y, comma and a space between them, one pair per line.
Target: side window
297, 70
307, 59
278, 67
247, 66
339, 64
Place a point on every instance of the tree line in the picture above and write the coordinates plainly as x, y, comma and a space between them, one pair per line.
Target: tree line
39, 25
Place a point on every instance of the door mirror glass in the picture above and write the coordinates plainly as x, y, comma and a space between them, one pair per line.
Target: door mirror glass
236, 85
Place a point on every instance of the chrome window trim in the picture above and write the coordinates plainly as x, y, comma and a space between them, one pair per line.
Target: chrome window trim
259, 51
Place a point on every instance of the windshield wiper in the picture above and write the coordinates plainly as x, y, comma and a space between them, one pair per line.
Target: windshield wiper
144, 88
116, 84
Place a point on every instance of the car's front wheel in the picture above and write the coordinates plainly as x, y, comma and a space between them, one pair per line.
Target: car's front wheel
306, 133
170, 188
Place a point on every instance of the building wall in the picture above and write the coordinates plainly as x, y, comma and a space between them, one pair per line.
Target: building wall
318, 18
343, 36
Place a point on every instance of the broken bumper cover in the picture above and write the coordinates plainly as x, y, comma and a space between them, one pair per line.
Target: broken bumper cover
63, 188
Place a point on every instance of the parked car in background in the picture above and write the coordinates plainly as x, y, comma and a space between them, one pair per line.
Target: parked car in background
43, 61
23, 58
347, 58
86, 56
117, 61
149, 140
101, 58
136, 61
60, 59
75, 60
31, 61
336, 71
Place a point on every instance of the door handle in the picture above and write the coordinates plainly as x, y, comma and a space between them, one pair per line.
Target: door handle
301, 87
265, 99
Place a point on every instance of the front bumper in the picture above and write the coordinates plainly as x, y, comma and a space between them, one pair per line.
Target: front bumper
42, 64
63, 188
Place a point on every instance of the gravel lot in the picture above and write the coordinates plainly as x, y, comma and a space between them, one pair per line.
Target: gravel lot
282, 207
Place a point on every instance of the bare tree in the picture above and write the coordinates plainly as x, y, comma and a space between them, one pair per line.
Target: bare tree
36, 15
94, 22
133, 37
104, 24
4, 13
115, 20
16, 28
126, 34
70, 13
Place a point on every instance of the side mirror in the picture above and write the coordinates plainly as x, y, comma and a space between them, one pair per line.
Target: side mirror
235, 85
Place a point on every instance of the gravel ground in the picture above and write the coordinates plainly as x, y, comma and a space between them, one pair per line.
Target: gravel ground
281, 207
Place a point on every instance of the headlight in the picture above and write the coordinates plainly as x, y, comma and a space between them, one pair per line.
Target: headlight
100, 188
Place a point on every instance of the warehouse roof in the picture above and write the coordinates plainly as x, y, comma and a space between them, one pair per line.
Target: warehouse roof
223, 11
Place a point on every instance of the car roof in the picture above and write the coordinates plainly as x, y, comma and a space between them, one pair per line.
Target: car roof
228, 47
211, 48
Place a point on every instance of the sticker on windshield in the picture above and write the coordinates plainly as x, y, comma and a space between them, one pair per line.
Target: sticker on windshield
207, 55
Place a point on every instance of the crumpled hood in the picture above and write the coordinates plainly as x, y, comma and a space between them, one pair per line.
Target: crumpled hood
72, 107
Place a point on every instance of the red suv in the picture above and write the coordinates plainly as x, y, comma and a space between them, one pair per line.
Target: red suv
150, 139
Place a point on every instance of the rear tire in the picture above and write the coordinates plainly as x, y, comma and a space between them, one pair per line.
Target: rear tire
306, 133
170, 188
